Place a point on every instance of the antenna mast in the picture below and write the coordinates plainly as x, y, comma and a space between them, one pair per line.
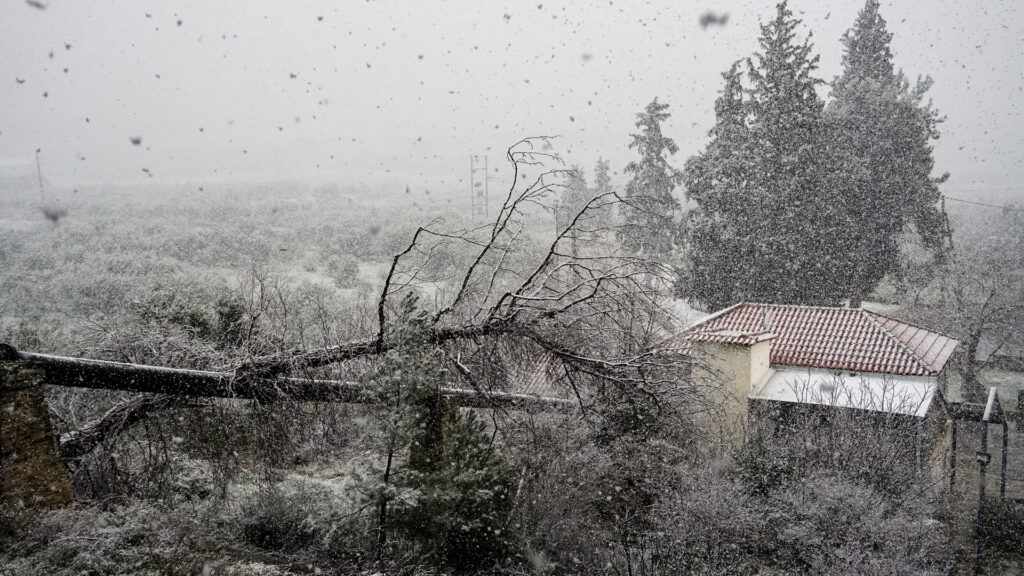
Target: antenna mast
472, 201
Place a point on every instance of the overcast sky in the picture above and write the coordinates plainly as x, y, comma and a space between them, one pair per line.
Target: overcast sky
403, 92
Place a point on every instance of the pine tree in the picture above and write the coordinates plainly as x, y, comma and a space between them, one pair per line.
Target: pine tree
718, 180
799, 257
575, 197
603, 215
769, 224
648, 228
884, 130
602, 177
437, 477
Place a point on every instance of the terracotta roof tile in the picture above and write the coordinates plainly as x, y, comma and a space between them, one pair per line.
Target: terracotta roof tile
833, 338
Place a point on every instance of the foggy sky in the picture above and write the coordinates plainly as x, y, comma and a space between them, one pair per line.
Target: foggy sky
402, 93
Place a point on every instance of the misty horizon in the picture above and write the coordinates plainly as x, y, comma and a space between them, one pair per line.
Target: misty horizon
372, 94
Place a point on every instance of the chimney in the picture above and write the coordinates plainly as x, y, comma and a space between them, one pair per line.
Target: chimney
737, 368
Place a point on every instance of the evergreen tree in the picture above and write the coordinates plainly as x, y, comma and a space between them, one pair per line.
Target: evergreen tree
769, 224
436, 477
884, 130
719, 182
603, 216
574, 198
647, 217
602, 177
799, 257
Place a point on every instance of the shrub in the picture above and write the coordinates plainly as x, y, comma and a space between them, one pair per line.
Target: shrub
279, 521
175, 307
831, 526
344, 270
230, 320
1004, 527
461, 507
761, 466
138, 538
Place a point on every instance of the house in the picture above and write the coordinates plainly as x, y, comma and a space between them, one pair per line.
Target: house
770, 359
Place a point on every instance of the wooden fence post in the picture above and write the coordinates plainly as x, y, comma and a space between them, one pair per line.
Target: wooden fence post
32, 474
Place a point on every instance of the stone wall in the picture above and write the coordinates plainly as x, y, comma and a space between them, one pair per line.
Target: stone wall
32, 473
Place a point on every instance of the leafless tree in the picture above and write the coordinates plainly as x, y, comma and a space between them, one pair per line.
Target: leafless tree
978, 295
567, 311
577, 298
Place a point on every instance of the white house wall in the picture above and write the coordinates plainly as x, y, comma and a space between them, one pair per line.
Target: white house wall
907, 395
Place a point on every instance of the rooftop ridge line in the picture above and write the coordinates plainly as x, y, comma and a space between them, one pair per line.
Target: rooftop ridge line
718, 314
920, 361
918, 326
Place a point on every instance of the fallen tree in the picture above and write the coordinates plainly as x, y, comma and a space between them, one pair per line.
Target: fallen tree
598, 311
176, 382
594, 312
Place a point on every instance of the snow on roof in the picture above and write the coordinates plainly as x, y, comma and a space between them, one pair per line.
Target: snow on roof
908, 395
849, 339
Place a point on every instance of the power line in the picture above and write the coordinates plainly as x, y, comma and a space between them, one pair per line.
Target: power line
983, 204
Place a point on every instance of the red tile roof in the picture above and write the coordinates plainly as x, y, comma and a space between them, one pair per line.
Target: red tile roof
832, 338
724, 336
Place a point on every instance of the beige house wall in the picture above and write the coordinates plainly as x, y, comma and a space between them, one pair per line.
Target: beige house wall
732, 370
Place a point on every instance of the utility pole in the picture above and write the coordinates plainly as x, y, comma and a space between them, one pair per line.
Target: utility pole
983, 459
483, 205
952, 457
39, 174
472, 201
1006, 442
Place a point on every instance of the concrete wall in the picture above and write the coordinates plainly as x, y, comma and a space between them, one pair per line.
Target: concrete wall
936, 443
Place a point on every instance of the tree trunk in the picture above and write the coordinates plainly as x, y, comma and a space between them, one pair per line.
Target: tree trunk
86, 373
382, 507
428, 447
